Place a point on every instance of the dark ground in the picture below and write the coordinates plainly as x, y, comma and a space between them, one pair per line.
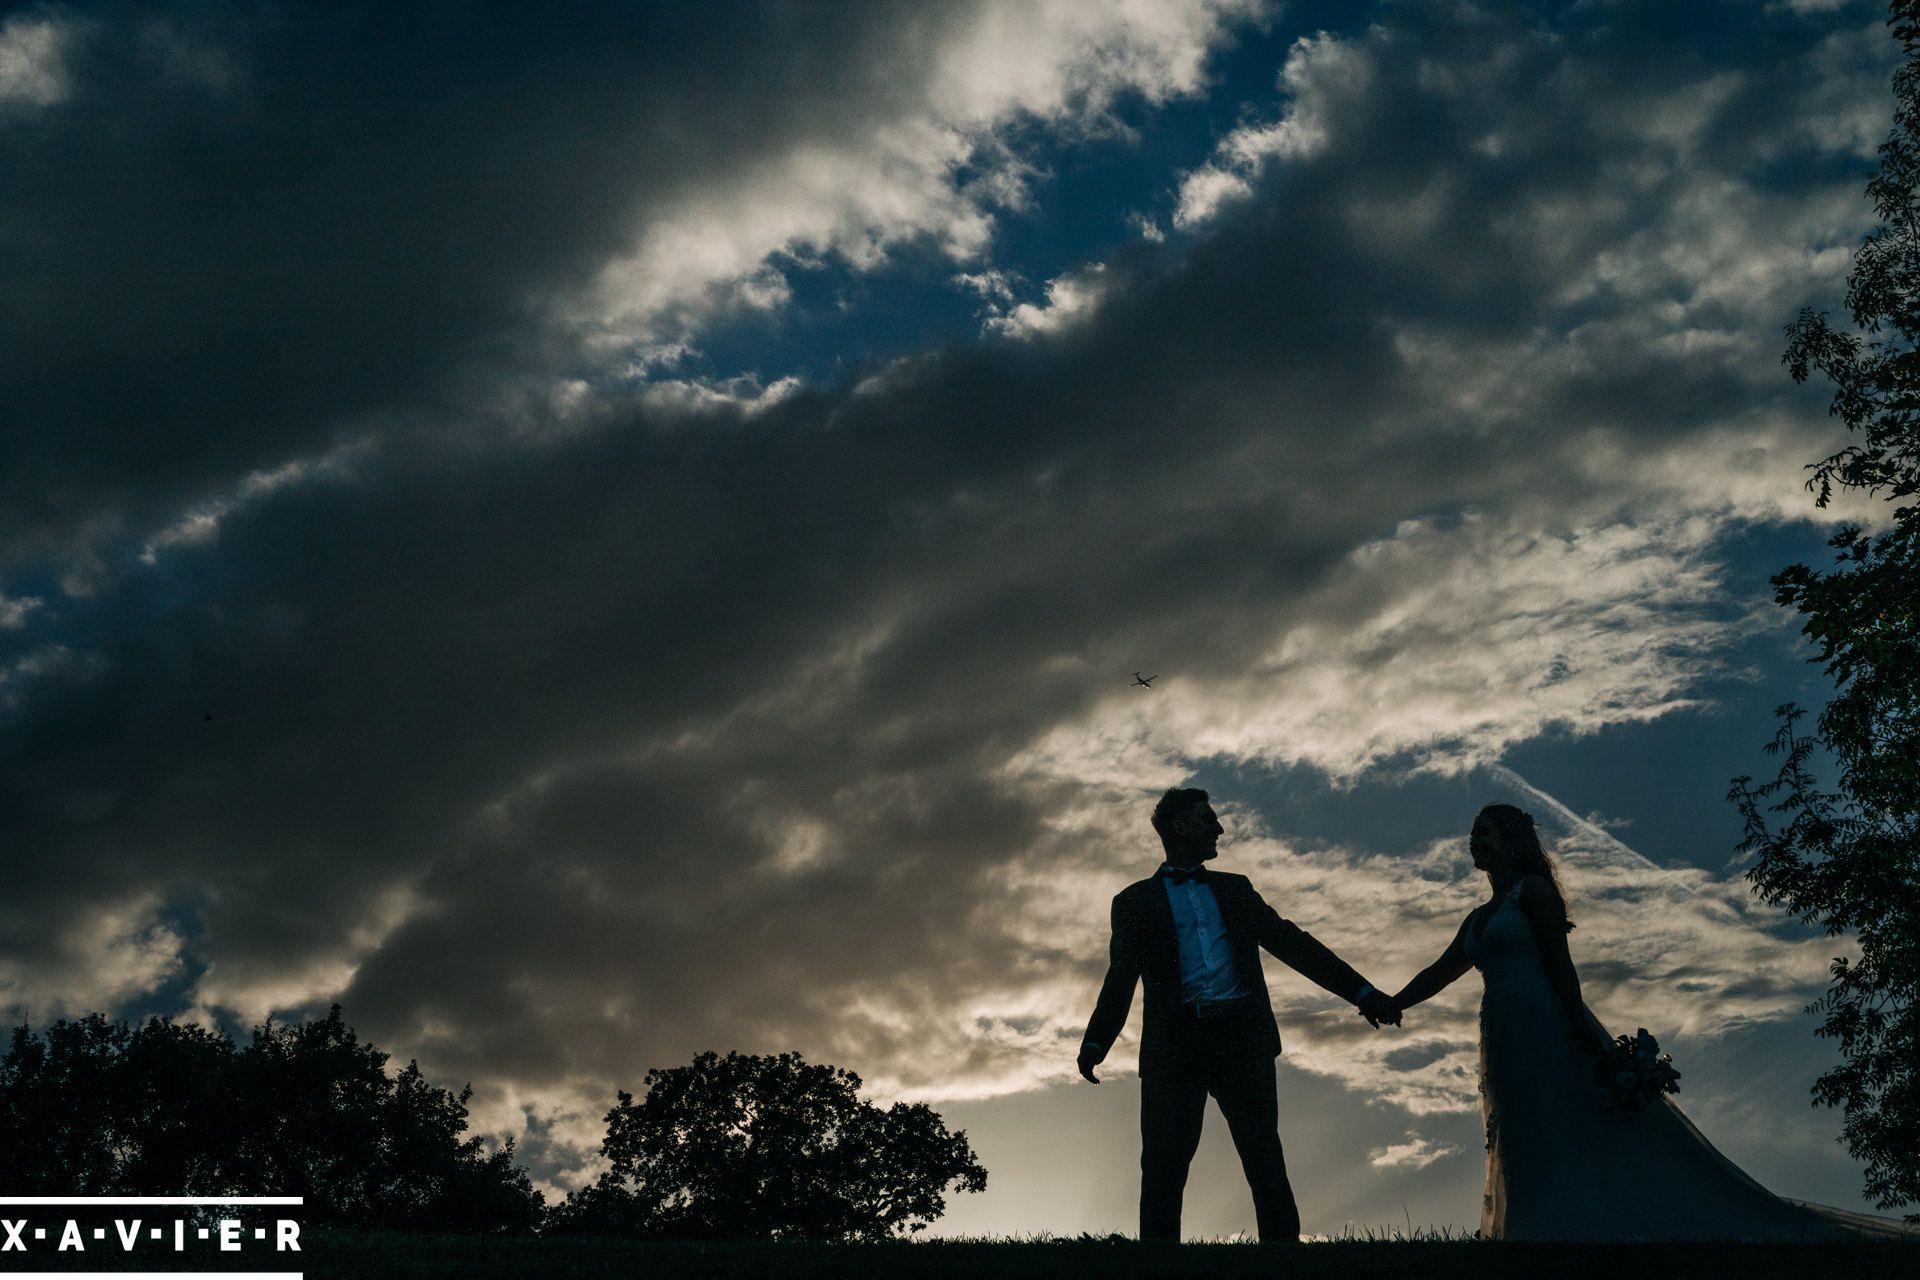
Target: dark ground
353, 1255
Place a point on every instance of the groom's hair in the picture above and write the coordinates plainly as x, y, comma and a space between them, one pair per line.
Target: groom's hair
1175, 802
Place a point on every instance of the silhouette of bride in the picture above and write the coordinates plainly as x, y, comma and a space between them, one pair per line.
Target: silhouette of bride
1560, 1164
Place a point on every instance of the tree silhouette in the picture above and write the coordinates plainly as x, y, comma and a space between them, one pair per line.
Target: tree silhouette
1850, 859
60, 1109
323, 1120
95, 1107
174, 1110
768, 1147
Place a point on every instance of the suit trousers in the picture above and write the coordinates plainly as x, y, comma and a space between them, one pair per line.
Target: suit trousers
1221, 1058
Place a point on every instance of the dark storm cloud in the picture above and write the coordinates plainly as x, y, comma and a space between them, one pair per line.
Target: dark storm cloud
684, 606
246, 227
563, 736
239, 233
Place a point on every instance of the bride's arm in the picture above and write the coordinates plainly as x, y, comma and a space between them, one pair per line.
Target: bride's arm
1435, 978
1548, 916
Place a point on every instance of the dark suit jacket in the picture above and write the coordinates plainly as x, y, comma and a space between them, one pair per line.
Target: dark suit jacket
1146, 948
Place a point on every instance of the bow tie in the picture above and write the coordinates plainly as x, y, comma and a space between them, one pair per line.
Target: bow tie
1180, 875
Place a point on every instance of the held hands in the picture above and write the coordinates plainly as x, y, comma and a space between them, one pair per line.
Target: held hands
1376, 1007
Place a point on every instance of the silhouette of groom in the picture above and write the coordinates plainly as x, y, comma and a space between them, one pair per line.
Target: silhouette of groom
1193, 936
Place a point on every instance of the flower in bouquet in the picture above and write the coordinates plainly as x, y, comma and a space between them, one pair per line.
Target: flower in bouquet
1631, 1073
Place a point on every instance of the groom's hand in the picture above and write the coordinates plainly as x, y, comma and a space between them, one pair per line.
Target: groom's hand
1089, 1059
1376, 1008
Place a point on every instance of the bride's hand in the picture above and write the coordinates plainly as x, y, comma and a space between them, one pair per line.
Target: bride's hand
1586, 1038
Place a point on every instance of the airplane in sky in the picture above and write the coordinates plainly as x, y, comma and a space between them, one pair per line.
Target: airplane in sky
1145, 682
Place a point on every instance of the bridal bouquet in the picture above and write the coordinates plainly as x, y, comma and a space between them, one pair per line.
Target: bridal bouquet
1632, 1072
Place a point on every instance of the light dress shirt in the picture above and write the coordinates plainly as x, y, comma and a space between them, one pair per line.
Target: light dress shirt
1207, 971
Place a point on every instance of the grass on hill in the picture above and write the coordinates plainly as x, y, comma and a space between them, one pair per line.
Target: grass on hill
386, 1255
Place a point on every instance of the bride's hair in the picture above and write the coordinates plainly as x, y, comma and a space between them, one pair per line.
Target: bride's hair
1521, 839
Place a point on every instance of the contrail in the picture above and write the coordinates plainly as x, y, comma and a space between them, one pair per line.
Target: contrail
1603, 840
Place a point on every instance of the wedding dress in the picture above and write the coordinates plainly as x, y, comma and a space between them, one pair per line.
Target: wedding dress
1560, 1167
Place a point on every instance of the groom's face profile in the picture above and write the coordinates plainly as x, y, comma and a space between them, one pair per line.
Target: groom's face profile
1192, 835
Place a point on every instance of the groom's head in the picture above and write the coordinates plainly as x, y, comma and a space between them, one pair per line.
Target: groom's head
1189, 829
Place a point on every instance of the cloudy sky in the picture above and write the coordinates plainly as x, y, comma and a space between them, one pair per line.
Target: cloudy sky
589, 533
